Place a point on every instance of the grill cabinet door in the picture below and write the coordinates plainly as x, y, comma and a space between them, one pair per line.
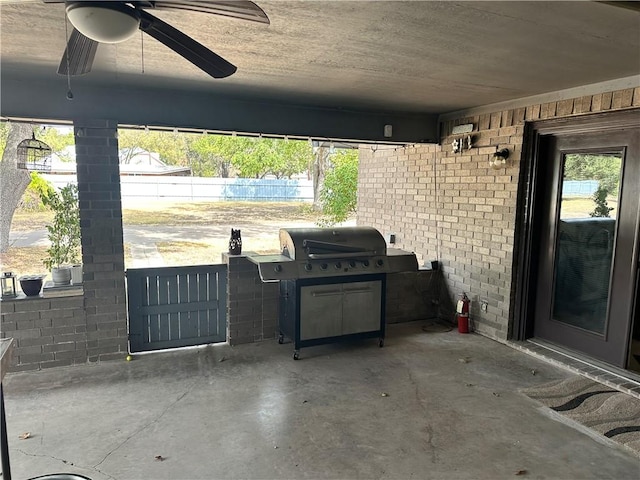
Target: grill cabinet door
361, 307
320, 311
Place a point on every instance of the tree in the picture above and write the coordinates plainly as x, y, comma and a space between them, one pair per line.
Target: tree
297, 155
604, 168
57, 141
171, 146
211, 155
259, 157
339, 191
321, 164
13, 181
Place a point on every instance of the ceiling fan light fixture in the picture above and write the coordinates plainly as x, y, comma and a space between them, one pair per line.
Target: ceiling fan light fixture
104, 22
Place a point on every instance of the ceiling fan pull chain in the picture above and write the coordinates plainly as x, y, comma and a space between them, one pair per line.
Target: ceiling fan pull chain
66, 35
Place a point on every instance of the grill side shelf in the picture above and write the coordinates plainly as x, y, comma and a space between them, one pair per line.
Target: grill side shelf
273, 268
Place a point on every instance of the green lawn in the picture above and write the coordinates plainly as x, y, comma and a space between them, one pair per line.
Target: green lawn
28, 260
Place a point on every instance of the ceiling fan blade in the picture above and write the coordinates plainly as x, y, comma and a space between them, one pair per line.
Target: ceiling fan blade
635, 6
244, 10
187, 47
78, 56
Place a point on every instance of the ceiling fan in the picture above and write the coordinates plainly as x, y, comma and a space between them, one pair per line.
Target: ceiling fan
98, 22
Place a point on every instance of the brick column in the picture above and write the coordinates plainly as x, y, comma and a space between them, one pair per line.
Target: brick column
102, 238
252, 306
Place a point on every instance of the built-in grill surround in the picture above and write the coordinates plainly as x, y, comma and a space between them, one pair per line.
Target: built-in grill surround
354, 261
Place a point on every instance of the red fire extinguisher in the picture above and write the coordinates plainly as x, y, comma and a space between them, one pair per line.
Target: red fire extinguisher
462, 313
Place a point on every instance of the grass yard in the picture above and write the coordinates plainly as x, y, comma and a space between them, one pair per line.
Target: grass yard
198, 213
580, 207
24, 260
221, 213
28, 260
180, 253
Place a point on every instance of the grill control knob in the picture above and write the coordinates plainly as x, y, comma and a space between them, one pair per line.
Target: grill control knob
308, 267
365, 263
352, 264
338, 265
323, 266
278, 268
379, 262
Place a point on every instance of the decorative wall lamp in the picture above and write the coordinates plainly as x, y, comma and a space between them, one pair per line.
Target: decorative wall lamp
8, 285
499, 159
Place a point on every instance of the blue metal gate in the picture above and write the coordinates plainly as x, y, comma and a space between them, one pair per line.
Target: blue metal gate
173, 307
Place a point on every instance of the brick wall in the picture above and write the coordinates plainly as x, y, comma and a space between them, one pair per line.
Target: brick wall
47, 332
102, 240
455, 208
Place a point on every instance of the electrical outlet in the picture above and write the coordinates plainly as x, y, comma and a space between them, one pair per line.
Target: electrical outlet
483, 306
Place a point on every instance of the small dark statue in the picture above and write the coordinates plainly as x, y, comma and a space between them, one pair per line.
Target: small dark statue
235, 243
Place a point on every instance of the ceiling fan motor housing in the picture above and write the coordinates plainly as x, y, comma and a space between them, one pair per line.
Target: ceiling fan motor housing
115, 21
104, 22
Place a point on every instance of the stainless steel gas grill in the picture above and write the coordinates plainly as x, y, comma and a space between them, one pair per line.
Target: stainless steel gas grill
332, 283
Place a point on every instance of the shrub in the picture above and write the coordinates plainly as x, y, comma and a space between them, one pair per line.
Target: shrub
32, 197
338, 196
600, 199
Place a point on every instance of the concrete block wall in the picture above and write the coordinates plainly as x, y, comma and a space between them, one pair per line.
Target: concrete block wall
456, 208
102, 240
252, 305
47, 332
412, 296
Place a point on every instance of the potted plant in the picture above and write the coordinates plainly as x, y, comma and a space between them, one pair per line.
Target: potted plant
64, 232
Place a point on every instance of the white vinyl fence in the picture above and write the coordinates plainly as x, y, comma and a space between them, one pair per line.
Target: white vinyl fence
205, 189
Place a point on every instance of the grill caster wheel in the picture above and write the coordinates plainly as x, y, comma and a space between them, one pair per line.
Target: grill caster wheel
281, 339
381, 342
296, 355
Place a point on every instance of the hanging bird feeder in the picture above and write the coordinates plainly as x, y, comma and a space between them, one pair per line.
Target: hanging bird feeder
34, 155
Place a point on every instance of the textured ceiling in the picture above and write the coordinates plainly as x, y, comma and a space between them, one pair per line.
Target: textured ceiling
418, 56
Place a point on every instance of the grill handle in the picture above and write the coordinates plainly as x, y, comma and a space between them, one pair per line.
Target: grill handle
324, 256
358, 290
328, 246
329, 293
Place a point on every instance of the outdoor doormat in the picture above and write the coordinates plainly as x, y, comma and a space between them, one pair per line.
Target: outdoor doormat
611, 413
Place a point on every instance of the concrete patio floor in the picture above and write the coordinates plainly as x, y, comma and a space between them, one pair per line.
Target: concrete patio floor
428, 405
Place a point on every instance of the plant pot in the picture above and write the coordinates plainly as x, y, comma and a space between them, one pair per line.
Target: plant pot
76, 274
61, 275
31, 284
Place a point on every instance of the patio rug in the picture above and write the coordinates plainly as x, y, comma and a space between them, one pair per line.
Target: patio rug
610, 413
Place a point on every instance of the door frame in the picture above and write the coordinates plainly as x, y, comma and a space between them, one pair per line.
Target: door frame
530, 192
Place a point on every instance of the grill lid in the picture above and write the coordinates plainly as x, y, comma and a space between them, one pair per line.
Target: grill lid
341, 242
